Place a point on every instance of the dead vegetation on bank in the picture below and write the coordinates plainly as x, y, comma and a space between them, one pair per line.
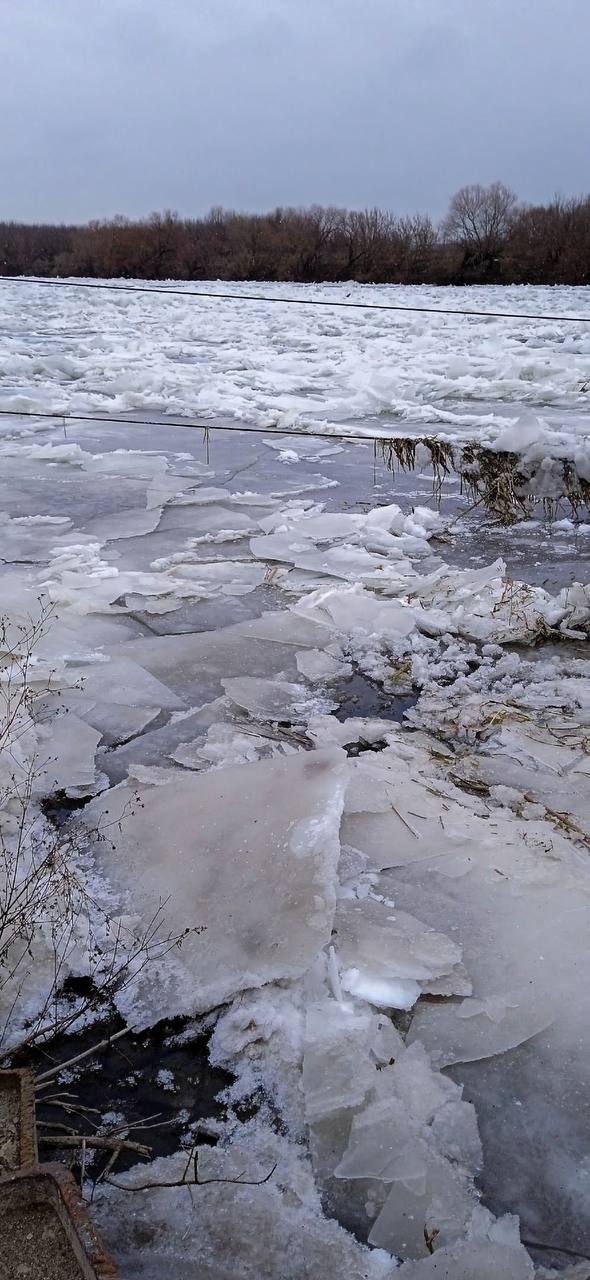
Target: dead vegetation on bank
502, 482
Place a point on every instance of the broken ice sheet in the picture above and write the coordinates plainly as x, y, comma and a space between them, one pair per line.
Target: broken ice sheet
133, 523
213, 518
399, 812
472, 1260
25, 540
229, 577
65, 759
404, 1139
317, 665
275, 700
194, 664
226, 744
356, 612
304, 450
125, 682
249, 852
342, 1052
117, 723
477, 1029
384, 952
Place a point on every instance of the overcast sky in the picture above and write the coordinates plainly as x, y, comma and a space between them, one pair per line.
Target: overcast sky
125, 106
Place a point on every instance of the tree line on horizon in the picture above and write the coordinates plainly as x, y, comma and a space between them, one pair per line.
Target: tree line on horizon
487, 237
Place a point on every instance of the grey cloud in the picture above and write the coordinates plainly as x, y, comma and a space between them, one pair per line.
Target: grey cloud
125, 106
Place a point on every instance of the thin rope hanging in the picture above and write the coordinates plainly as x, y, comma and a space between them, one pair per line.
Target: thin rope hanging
300, 302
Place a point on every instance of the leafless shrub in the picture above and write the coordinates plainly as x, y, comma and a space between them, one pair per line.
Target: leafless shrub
50, 915
495, 479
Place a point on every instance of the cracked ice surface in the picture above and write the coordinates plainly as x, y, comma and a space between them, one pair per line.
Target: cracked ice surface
398, 937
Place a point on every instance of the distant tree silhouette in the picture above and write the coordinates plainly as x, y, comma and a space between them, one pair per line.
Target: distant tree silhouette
479, 222
486, 236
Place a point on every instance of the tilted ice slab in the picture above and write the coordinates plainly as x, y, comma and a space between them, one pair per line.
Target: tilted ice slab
249, 853
420, 1139
126, 683
514, 894
274, 700
319, 666
65, 756
385, 952
343, 1048
475, 1259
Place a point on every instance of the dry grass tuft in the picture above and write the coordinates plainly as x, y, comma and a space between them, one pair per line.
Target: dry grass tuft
498, 480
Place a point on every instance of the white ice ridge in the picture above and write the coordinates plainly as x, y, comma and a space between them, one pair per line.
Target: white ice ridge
282, 365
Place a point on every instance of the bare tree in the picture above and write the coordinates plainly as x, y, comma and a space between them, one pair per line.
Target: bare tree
479, 220
551, 243
485, 236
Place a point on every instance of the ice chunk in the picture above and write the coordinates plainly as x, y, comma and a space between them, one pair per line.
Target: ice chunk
481, 1028
249, 852
317, 665
420, 1138
472, 1260
353, 610
384, 1144
66, 756
385, 993
272, 699
456, 1135
127, 683
134, 523
338, 1070
437, 1204
384, 945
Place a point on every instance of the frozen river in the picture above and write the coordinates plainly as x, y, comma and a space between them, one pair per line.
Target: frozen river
339, 730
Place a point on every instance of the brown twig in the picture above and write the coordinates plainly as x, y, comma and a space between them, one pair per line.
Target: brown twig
102, 1141
88, 1053
196, 1181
